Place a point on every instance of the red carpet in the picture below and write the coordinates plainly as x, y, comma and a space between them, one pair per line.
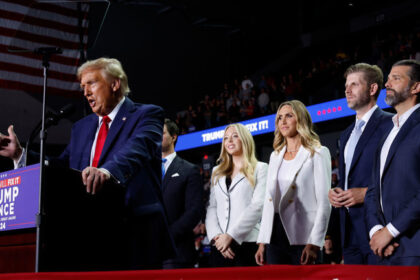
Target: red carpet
339, 272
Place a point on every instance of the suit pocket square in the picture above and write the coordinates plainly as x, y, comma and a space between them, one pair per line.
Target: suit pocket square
175, 175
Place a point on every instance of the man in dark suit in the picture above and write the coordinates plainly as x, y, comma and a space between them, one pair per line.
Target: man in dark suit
119, 142
393, 200
182, 197
358, 144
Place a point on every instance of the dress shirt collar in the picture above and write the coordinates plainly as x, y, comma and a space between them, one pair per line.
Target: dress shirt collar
114, 112
400, 120
169, 160
366, 116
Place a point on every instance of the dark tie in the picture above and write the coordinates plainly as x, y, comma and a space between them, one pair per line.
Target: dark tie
163, 167
100, 141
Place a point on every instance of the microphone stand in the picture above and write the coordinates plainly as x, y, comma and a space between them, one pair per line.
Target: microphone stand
46, 54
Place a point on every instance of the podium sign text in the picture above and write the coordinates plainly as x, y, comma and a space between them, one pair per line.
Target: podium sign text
19, 194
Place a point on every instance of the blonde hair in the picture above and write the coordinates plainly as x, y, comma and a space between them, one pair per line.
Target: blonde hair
225, 161
111, 67
372, 74
304, 127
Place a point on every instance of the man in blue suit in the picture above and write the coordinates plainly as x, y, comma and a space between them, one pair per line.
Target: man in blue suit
358, 144
183, 198
393, 200
121, 141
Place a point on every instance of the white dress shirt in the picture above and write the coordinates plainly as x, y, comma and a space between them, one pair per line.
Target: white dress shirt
169, 160
112, 116
285, 178
365, 118
398, 123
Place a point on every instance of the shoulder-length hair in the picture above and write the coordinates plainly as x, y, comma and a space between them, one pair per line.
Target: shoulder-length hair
225, 163
304, 127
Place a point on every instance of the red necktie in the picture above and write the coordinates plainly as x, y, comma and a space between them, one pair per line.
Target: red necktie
100, 141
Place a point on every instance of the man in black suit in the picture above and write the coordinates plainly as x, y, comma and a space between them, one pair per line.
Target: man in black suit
182, 197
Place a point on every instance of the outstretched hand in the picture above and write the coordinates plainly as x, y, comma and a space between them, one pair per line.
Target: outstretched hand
9, 145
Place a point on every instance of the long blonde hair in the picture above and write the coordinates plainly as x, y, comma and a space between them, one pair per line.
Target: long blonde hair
225, 161
304, 127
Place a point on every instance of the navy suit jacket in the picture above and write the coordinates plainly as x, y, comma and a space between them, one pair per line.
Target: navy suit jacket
360, 173
400, 187
132, 154
183, 199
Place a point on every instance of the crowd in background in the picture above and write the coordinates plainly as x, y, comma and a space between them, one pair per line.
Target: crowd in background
310, 81
314, 82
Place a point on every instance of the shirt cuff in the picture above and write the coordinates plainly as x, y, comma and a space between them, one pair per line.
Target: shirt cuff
374, 230
394, 232
107, 173
21, 161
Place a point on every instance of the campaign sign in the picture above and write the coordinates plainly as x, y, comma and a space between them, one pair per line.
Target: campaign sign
19, 194
319, 112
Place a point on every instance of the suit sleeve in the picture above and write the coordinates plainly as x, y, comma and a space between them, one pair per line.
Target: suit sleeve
142, 146
193, 204
322, 179
409, 216
212, 223
371, 204
251, 215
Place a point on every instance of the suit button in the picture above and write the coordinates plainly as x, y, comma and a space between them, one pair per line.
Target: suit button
290, 200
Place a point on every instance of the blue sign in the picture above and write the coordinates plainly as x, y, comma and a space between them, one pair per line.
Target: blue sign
319, 112
19, 196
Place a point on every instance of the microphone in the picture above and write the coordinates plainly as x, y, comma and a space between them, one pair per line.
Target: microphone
50, 119
64, 112
48, 50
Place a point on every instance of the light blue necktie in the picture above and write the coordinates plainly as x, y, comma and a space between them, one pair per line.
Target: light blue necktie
354, 138
163, 167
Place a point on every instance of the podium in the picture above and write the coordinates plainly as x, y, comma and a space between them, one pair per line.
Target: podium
80, 231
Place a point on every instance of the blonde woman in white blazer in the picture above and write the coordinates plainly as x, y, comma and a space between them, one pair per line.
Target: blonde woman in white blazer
236, 200
296, 208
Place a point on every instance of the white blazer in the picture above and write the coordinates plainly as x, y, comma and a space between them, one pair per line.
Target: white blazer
237, 212
304, 207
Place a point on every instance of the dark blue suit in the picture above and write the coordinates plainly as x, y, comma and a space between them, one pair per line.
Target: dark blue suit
183, 199
354, 237
400, 187
132, 154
